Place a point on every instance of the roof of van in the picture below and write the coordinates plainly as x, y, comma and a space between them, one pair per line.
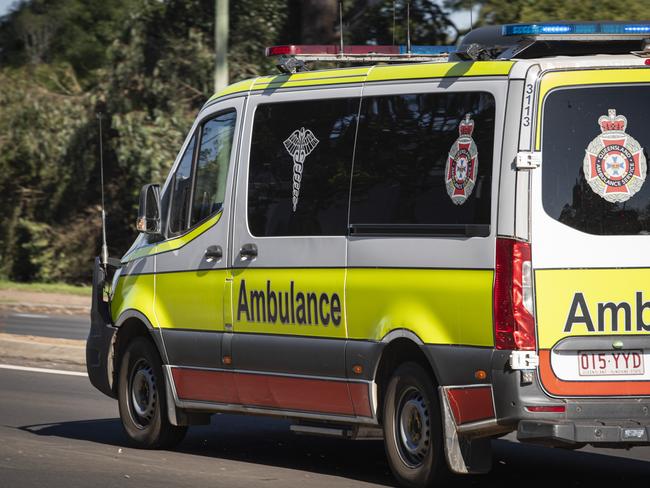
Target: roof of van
369, 74
461, 69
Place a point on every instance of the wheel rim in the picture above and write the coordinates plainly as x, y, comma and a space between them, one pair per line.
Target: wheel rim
413, 430
142, 394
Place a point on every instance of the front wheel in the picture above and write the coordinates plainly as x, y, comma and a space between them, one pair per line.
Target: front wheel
142, 400
413, 428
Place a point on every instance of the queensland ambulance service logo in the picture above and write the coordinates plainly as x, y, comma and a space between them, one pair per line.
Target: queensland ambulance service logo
462, 163
614, 165
299, 144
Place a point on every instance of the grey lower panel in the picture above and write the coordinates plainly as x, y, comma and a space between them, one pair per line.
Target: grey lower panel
456, 365
365, 354
193, 348
301, 355
315, 356
584, 432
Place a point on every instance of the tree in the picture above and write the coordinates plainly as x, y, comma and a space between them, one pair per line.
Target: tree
147, 65
512, 11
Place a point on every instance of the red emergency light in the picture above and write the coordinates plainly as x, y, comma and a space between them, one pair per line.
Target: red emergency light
355, 50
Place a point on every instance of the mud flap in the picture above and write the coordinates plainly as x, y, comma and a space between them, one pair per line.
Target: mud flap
175, 415
99, 344
465, 454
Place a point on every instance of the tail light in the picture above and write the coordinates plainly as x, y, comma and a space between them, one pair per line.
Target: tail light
514, 324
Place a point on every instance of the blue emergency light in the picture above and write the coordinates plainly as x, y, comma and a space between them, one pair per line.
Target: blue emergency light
587, 28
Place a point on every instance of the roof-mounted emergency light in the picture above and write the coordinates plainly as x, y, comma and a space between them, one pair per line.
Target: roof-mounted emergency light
356, 53
600, 29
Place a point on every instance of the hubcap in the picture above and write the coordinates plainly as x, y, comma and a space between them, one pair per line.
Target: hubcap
143, 394
413, 427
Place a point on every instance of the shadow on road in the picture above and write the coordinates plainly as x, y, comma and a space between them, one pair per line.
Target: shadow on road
268, 441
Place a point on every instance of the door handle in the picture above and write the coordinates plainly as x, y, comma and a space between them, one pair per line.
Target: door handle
213, 253
248, 252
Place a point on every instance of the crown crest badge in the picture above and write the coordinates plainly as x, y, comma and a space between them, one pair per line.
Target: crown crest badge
614, 165
462, 163
612, 122
466, 126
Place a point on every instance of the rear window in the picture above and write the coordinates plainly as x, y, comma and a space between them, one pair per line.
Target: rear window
423, 165
594, 148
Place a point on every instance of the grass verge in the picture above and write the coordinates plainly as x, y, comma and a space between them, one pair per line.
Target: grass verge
47, 288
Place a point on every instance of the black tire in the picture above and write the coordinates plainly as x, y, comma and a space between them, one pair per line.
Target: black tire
413, 428
142, 399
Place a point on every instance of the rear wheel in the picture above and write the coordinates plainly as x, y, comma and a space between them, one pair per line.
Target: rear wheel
413, 429
142, 400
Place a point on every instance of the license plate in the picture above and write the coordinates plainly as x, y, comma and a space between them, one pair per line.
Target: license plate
610, 363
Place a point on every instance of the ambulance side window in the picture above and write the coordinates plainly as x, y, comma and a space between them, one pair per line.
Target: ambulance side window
181, 189
212, 166
300, 163
402, 173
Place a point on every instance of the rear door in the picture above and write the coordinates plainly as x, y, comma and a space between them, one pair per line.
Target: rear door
591, 233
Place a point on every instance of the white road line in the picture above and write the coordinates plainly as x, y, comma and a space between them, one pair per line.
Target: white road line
42, 370
30, 316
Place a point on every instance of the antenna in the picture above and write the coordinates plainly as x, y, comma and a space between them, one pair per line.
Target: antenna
341, 23
393, 22
471, 14
104, 255
408, 27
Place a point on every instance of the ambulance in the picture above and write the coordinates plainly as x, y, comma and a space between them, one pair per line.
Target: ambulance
434, 250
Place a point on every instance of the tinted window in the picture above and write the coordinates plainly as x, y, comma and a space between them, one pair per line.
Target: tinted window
181, 189
299, 176
413, 173
212, 166
593, 176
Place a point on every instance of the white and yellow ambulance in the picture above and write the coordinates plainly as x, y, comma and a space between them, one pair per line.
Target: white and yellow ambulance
436, 253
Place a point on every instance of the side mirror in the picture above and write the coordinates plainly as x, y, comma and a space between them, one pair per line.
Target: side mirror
149, 212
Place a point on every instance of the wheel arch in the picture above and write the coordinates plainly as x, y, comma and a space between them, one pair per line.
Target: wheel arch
131, 324
399, 346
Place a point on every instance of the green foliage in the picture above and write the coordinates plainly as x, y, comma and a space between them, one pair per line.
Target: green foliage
385, 22
513, 11
147, 65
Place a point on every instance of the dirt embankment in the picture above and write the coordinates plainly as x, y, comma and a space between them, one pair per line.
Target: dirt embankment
43, 302
44, 352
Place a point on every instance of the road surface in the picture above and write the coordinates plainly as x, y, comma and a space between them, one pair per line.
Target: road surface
57, 431
45, 325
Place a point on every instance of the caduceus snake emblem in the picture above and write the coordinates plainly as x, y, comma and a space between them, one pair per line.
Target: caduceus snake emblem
299, 144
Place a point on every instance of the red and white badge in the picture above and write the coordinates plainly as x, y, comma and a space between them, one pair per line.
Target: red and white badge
462, 163
614, 165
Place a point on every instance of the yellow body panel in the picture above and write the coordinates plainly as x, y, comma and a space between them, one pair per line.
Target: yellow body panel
239, 87
433, 304
440, 70
191, 300
558, 292
312, 78
558, 79
439, 306
134, 292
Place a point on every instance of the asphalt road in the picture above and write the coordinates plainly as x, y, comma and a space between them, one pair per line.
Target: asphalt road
57, 431
61, 326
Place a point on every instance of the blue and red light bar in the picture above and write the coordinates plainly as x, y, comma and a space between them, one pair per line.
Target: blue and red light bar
577, 28
356, 50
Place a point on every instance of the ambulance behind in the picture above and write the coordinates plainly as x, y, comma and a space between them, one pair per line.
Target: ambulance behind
433, 253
